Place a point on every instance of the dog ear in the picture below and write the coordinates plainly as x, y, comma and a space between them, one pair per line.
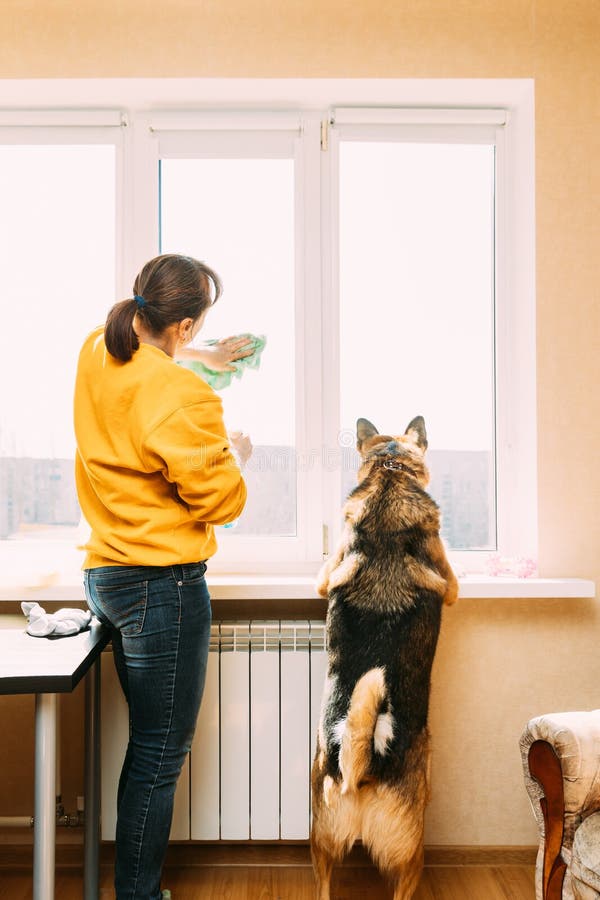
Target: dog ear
416, 432
364, 431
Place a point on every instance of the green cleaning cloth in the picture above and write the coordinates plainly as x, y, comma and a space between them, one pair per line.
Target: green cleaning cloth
220, 380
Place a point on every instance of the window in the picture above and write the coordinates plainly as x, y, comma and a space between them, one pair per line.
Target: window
385, 253
430, 293
232, 191
57, 249
416, 298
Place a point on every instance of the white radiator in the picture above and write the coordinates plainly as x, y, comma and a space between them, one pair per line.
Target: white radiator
248, 775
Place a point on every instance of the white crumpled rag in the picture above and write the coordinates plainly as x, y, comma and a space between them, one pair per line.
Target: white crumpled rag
58, 624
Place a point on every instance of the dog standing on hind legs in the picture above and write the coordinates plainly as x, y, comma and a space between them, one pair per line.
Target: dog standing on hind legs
386, 584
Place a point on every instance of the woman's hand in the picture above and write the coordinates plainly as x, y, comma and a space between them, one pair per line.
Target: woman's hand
218, 357
242, 446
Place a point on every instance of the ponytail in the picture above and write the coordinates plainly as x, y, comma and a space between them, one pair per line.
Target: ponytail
169, 288
119, 336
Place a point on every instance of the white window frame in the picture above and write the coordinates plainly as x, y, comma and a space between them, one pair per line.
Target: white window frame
514, 374
63, 127
195, 135
229, 104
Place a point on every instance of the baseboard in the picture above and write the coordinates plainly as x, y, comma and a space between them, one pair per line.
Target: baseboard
451, 855
280, 853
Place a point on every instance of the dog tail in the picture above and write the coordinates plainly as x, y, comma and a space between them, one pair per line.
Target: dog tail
364, 729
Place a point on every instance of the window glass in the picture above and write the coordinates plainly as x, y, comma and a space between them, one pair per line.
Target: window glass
237, 215
57, 257
417, 315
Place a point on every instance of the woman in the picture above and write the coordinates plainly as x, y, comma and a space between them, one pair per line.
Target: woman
154, 474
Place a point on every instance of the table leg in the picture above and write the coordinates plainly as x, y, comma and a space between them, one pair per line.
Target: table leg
91, 864
44, 823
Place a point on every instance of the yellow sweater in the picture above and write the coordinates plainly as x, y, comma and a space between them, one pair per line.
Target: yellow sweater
153, 468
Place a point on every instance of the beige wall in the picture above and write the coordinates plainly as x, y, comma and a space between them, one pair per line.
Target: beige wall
499, 661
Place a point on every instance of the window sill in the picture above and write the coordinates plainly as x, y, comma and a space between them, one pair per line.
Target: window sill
280, 587
302, 587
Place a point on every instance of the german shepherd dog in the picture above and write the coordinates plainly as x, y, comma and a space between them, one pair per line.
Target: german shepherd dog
385, 583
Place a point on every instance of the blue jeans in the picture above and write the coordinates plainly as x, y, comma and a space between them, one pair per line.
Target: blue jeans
160, 622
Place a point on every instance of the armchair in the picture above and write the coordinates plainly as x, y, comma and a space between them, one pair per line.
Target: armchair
561, 764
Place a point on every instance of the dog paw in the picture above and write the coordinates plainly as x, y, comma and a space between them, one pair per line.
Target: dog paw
451, 595
323, 589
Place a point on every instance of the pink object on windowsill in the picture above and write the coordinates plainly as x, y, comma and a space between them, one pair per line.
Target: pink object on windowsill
519, 566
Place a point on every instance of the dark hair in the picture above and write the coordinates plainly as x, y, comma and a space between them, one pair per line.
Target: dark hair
169, 288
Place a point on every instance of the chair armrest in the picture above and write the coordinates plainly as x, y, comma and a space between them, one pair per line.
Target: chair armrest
575, 739
544, 767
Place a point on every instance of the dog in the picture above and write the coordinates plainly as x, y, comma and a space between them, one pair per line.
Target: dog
386, 584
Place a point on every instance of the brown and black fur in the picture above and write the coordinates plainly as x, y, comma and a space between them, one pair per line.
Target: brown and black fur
386, 584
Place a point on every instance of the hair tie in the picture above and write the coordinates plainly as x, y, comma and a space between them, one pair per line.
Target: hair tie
139, 300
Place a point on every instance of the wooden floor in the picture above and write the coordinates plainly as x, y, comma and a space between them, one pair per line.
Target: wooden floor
296, 883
